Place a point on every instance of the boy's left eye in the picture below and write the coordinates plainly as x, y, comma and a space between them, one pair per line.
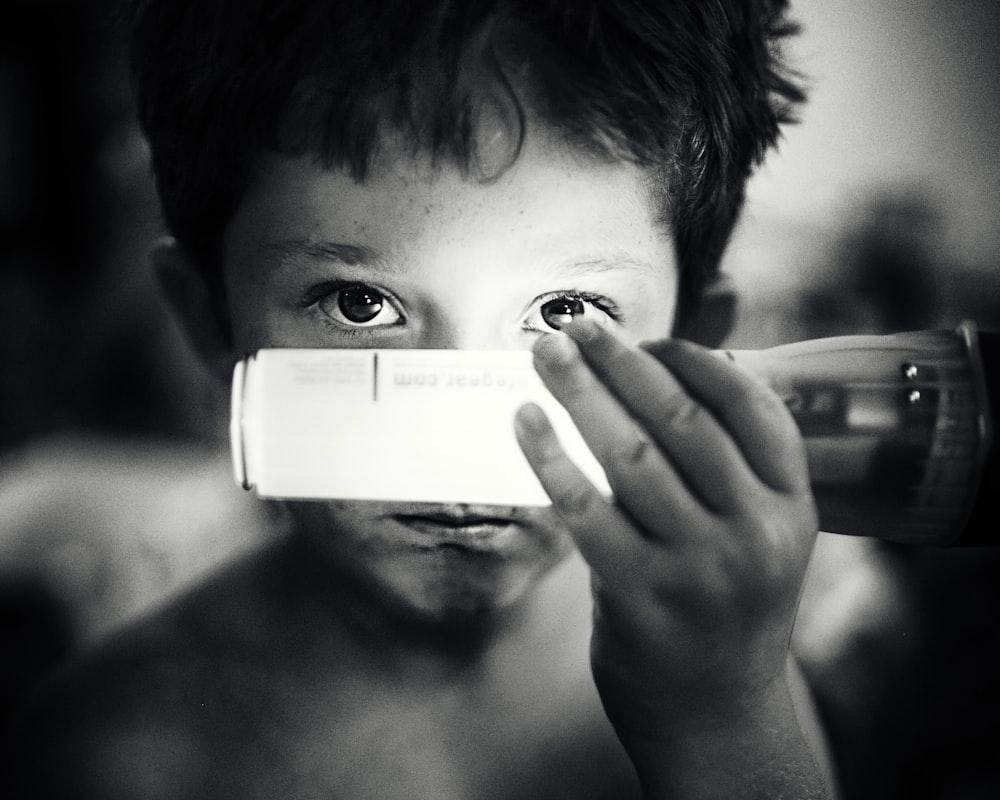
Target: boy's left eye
552, 311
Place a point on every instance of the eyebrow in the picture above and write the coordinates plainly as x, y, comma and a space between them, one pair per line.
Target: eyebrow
361, 255
608, 263
349, 254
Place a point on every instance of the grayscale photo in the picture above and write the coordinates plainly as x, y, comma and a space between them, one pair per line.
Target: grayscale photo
500, 399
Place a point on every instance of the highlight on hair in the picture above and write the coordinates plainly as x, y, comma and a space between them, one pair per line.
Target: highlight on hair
693, 90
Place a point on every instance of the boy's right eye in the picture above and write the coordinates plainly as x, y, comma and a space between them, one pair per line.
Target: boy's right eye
358, 305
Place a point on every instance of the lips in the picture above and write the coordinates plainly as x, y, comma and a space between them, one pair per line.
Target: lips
455, 520
459, 524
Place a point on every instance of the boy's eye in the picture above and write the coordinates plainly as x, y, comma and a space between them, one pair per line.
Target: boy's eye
358, 305
561, 311
551, 312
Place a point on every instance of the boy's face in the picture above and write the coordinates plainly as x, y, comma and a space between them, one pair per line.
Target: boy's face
418, 257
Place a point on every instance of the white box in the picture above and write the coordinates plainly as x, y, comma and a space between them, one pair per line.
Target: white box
392, 425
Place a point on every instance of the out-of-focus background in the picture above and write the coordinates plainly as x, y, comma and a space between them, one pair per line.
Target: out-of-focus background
879, 214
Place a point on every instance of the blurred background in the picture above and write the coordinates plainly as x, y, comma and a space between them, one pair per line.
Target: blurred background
878, 214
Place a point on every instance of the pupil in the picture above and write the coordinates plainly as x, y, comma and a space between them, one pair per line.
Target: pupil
360, 303
561, 311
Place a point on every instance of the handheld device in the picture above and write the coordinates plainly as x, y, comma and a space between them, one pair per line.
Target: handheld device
392, 425
898, 429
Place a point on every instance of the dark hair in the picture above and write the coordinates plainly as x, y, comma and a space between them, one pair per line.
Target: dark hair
695, 90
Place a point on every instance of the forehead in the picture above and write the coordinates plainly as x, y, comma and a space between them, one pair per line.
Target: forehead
551, 203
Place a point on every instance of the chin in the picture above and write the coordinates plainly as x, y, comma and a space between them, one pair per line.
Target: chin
453, 590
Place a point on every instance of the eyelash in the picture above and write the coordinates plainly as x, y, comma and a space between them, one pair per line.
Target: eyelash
345, 331
314, 294
311, 298
598, 301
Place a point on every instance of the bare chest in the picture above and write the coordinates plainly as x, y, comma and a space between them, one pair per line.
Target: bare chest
362, 740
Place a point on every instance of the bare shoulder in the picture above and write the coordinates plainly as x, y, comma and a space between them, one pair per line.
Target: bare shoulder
118, 714
147, 712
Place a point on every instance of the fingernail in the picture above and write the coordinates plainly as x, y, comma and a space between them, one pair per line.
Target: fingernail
583, 330
556, 349
531, 418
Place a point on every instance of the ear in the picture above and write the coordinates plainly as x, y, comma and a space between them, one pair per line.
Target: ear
716, 314
191, 300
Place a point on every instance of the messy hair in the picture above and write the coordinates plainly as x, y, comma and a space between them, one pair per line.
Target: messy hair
694, 91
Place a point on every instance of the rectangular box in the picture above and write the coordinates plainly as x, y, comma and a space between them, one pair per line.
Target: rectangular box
392, 425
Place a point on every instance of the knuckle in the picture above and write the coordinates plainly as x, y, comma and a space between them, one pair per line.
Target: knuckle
780, 542
574, 501
680, 411
762, 399
661, 349
634, 450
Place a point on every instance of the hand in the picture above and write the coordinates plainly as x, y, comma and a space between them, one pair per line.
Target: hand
698, 561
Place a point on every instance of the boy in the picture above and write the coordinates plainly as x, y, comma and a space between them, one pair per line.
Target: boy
471, 175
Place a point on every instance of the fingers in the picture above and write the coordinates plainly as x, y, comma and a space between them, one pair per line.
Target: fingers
600, 529
712, 419
755, 417
706, 462
642, 478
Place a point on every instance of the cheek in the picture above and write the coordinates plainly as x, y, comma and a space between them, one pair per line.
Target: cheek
241, 304
255, 323
335, 519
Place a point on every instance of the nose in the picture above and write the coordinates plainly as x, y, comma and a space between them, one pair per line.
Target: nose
462, 334
477, 320
464, 308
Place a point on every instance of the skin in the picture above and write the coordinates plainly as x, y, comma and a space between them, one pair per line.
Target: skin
413, 657
462, 265
694, 451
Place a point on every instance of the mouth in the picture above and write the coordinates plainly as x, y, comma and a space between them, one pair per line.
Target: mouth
460, 525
